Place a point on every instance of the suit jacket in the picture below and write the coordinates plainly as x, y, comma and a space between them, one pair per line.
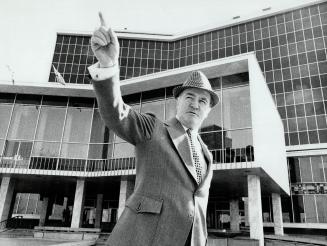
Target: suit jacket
167, 203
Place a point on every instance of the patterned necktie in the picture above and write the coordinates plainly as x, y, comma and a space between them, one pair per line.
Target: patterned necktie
196, 158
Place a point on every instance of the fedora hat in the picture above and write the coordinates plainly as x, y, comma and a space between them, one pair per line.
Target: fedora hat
197, 79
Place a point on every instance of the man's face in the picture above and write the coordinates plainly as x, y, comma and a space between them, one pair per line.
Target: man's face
193, 106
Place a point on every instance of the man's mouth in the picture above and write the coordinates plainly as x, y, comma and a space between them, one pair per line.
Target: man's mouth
193, 113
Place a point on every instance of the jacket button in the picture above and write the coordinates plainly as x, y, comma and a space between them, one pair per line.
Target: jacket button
138, 207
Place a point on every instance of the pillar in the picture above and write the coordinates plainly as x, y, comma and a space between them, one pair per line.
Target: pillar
78, 204
246, 211
43, 212
98, 211
234, 215
255, 208
126, 189
277, 213
6, 195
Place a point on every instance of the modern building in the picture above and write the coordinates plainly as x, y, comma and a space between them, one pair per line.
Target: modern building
61, 166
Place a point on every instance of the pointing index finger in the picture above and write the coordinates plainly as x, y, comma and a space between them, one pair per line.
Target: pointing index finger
103, 23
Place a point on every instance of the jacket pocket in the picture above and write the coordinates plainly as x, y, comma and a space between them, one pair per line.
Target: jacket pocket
144, 204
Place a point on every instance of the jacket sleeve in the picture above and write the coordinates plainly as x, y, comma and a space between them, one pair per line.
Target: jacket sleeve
128, 124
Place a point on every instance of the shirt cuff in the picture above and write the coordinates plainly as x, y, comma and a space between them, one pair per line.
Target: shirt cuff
98, 73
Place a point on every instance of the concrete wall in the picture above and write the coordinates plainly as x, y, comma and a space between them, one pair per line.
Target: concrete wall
268, 130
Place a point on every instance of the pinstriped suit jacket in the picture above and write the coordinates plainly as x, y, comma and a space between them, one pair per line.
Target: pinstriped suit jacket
167, 203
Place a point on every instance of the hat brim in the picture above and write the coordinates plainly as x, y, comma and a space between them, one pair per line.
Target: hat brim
179, 89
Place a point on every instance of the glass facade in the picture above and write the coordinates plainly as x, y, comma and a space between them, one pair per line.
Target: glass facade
61, 133
290, 48
308, 188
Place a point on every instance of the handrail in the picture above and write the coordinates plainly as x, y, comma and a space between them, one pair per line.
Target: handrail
103, 167
11, 223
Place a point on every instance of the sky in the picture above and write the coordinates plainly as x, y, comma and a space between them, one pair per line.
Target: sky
29, 27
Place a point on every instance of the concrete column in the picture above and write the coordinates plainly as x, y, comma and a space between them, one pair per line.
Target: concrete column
43, 212
126, 189
78, 204
277, 213
6, 195
98, 211
234, 215
246, 211
255, 208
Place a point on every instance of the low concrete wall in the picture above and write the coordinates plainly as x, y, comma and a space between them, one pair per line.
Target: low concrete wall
232, 242
80, 243
66, 235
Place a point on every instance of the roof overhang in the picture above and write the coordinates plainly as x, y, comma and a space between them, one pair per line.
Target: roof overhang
212, 69
267, 129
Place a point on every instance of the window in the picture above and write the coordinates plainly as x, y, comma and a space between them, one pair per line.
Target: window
50, 124
23, 122
236, 108
78, 125
5, 111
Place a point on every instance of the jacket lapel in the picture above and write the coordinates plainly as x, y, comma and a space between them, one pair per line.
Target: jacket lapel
179, 138
208, 157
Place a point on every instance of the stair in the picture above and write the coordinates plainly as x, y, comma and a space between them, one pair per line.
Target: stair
17, 233
102, 239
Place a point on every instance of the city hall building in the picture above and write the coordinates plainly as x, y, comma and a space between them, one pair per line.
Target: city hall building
61, 166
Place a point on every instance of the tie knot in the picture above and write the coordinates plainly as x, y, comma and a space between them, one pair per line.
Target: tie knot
189, 133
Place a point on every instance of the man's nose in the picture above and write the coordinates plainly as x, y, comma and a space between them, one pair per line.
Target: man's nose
195, 104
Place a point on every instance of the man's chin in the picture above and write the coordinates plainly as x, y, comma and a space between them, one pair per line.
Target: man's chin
193, 125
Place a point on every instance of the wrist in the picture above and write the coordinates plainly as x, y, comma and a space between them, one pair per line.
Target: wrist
98, 72
108, 65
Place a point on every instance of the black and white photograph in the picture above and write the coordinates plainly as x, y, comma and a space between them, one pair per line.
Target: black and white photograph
163, 123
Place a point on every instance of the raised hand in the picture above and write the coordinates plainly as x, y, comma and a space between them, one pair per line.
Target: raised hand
105, 45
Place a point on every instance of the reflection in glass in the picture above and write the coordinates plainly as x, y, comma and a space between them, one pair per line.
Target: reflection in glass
236, 79
74, 150
170, 108
236, 108
5, 111
324, 165
123, 150
298, 208
230, 146
1, 146
305, 168
213, 122
155, 107
100, 151
46, 149
17, 153
321, 208
100, 133
317, 169
294, 167
50, 124
239, 138
23, 122
78, 123
310, 209
7, 98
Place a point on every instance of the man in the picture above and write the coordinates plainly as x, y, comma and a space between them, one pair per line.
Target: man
173, 165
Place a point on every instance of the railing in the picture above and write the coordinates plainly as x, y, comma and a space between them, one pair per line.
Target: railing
232, 155
117, 166
11, 223
85, 166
